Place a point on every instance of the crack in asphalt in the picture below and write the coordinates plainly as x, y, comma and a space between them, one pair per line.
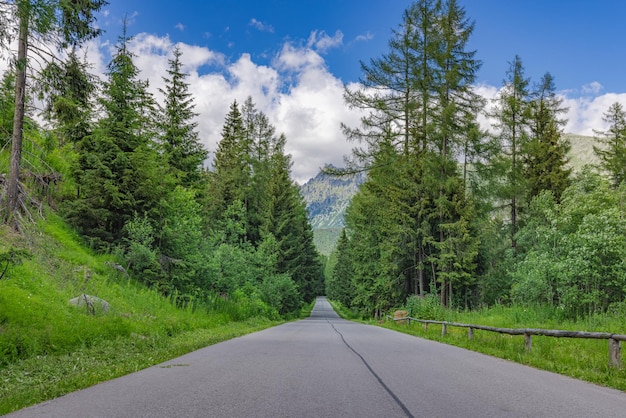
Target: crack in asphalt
382, 383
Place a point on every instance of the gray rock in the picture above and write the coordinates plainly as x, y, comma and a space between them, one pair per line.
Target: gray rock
92, 304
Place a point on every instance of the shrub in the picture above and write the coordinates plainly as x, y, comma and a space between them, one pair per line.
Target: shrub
425, 307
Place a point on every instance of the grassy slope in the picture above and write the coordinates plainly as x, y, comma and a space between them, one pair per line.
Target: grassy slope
325, 240
49, 348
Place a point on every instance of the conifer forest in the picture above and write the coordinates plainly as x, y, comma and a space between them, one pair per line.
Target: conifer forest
451, 210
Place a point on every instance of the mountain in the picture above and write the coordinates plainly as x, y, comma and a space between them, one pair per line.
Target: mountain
582, 150
327, 198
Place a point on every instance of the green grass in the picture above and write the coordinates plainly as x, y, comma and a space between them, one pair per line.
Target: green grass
584, 359
49, 348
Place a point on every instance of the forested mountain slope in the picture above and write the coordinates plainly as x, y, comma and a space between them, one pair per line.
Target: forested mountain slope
327, 198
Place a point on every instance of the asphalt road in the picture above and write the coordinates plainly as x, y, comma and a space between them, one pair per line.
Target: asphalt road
324, 366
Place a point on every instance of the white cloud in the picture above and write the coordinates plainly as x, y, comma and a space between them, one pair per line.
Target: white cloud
322, 42
297, 92
592, 88
584, 113
263, 27
364, 37
292, 58
180, 26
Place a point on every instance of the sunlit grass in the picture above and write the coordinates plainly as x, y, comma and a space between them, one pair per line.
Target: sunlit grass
49, 348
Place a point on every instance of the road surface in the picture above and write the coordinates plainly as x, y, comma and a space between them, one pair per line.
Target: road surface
324, 366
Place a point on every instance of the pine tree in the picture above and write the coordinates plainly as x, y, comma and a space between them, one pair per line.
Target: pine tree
180, 140
339, 285
68, 89
118, 162
546, 153
612, 152
230, 178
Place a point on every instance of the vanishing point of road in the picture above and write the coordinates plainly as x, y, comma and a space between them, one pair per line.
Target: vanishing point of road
325, 366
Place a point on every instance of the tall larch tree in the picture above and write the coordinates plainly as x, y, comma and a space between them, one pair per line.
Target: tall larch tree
455, 110
419, 100
506, 165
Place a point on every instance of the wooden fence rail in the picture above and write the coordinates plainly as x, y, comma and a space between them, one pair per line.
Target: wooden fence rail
614, 339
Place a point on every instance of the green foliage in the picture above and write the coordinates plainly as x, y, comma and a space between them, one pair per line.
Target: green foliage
281, 293
612, 148
140, 257
340, 280
48, 347
425, 307
180, 140
575, 250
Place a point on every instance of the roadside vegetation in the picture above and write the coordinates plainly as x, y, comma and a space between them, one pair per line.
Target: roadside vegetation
104, 197
584, 359
49, 347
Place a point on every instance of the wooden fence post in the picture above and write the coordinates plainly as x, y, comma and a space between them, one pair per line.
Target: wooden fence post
425, 326
470, 333
528, 342
614, 352
443, 330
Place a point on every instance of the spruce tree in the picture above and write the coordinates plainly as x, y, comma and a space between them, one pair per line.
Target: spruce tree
546, 153
263, 142
118, 162
339, 285
69, 89
612, 151
230, 177
289, 224
179, 136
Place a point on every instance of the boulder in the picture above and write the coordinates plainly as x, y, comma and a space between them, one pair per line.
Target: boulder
399, 317
92, 304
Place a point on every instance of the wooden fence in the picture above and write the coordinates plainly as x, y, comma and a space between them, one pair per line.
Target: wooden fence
614, 339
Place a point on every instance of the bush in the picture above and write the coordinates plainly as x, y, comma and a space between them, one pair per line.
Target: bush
281, 293
425, 307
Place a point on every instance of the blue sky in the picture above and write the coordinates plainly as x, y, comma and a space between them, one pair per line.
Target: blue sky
294, 57
578, 41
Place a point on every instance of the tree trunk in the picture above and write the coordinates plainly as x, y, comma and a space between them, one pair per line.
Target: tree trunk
12, 201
